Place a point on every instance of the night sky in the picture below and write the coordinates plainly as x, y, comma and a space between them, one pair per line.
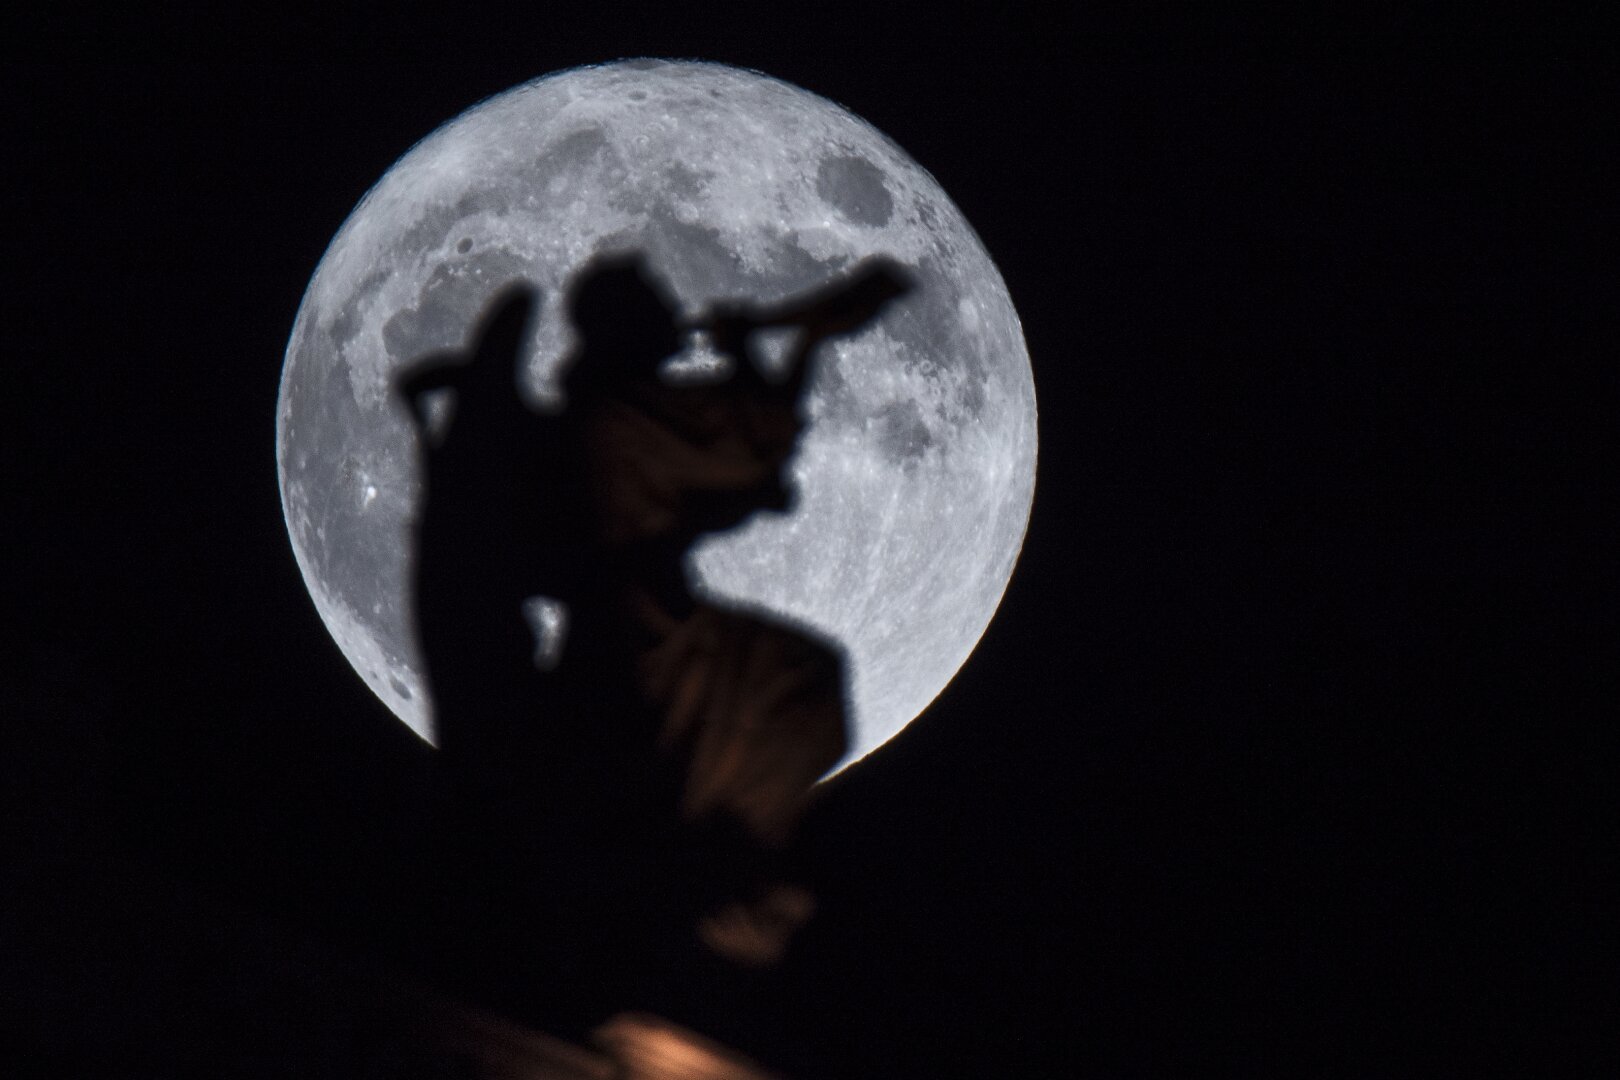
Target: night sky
1289, 750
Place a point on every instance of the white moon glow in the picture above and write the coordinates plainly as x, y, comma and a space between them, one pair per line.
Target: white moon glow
916, 471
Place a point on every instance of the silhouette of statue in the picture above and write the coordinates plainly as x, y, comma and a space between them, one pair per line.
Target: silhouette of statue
640, 784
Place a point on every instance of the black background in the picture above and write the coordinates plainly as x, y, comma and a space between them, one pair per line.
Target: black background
1289, 750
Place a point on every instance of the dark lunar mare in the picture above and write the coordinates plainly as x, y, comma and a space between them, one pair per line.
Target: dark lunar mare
605, 816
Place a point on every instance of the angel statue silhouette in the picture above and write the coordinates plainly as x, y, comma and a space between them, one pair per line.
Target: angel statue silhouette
648, 773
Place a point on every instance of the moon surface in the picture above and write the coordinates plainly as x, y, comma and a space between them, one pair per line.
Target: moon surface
917, 468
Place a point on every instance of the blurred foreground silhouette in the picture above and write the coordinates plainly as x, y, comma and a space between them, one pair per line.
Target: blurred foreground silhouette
620, 799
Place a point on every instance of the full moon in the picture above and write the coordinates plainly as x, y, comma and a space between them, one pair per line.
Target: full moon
917, 467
